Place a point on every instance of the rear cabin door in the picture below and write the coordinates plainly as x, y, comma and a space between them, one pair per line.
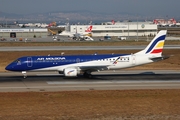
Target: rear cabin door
133, 59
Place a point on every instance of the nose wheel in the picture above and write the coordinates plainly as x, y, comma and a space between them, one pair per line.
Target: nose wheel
24, 74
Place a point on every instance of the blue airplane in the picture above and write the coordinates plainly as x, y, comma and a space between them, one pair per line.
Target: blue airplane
74, 65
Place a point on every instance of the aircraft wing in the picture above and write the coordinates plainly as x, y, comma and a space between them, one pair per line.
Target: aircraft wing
94, 68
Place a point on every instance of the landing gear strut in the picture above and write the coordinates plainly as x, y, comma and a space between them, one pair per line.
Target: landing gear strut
24, 74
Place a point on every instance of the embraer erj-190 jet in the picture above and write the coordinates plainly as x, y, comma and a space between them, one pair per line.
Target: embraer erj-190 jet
74, 65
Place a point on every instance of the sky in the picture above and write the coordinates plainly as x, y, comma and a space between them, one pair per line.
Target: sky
135, 7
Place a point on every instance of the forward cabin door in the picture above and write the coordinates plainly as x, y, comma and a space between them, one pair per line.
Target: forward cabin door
29, 62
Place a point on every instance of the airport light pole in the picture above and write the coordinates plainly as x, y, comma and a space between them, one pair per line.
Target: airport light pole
67, 25
166, 21
128, 28
6, 22
137, 29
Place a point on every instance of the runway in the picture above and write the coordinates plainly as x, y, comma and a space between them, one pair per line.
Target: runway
106, 80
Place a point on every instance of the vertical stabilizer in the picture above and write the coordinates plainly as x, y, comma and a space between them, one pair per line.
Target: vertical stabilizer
89, 29
155, 47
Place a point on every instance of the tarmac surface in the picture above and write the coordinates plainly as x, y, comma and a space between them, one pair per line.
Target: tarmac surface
105, 80
48, 48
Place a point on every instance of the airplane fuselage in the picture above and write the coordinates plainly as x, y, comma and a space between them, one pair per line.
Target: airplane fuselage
59, 63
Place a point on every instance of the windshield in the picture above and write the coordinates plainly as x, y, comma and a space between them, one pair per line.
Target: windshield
17, 61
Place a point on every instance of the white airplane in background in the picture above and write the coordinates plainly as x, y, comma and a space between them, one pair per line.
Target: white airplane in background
74, 65
87, 38
76, 34
39, 25
21, 25
164, 23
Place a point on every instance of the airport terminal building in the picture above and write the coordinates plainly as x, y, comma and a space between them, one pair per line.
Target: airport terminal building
23, 32
119, 29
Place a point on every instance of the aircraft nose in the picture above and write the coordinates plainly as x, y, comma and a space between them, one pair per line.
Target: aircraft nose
9, 67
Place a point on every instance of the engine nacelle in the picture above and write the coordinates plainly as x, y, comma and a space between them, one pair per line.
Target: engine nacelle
70, 72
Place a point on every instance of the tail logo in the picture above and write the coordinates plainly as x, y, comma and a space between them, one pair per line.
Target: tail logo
157, 45
113, 22
89, 29
70, 72
116, 61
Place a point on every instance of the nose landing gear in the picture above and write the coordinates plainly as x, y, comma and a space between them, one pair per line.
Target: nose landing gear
24, 74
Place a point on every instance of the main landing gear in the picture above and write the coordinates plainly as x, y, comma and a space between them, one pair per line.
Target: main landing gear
87, 75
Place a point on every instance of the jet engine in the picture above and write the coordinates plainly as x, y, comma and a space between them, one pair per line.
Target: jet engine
70, 72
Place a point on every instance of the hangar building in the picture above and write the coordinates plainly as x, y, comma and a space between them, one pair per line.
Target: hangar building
119, 29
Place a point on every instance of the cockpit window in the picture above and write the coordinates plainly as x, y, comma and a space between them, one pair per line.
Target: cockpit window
18, 62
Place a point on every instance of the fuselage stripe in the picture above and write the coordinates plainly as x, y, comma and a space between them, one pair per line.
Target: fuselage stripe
155, 42
157, 51
160, 44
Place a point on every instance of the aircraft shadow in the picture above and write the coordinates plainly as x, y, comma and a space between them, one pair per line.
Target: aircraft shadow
132, 77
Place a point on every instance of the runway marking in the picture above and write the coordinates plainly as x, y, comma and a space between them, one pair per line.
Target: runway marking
47, 74
107, 82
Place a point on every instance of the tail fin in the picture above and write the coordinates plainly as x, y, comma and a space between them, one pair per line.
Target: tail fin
155, 47
173, 21
113, 22
89, 29
155, 21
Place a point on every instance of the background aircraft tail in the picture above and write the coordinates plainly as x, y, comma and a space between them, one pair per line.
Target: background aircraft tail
89, 29
155, 47
113, 22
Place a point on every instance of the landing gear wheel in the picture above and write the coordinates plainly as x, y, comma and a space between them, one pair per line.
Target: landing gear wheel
87, 75
24, 74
